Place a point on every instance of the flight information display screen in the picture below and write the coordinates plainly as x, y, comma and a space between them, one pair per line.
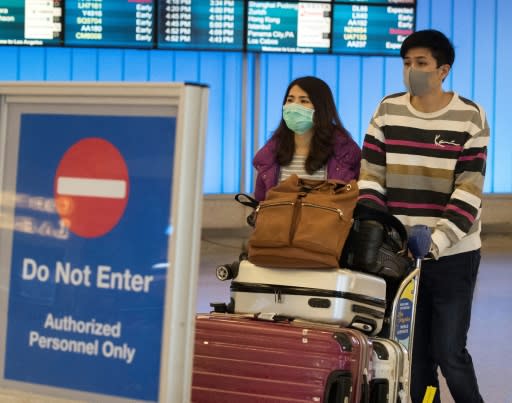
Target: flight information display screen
37, 22
358, 27
296, 27
109, 23
201, 24
371, 29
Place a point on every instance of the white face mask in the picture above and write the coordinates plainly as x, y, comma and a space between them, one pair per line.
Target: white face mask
418, 82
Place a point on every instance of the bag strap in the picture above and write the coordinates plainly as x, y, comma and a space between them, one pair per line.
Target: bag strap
363, 212
246, 200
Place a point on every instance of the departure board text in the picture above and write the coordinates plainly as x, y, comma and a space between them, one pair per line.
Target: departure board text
109, 23
201, 24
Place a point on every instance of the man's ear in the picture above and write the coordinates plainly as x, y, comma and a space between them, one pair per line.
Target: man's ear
445, 69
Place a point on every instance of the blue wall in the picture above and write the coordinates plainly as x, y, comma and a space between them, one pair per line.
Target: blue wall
246, 89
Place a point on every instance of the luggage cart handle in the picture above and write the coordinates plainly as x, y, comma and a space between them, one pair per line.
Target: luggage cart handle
419, 243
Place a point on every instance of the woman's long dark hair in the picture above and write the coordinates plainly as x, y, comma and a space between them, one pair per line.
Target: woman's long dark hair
326, 125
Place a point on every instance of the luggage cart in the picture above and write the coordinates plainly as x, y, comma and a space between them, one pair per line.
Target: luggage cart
392, 355
383, 376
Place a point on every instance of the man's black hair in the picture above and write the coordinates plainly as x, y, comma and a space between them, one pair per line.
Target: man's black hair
440, 46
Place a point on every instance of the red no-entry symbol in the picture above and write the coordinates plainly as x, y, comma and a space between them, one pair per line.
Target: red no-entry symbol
91, 187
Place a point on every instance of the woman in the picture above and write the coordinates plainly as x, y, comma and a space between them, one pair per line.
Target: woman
310, 140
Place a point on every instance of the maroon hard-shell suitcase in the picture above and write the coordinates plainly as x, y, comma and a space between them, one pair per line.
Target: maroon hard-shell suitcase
238, 359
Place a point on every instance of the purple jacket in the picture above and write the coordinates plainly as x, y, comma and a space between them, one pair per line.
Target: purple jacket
343, 165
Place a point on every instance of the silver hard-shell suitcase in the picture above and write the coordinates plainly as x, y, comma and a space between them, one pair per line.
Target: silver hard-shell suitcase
390, 372
333, 296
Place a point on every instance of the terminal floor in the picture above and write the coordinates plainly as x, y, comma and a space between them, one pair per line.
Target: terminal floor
490, 335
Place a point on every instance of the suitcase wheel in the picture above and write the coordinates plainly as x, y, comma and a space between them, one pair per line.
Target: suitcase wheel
227, 271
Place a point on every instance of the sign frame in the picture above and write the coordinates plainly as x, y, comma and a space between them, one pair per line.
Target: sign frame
187, 103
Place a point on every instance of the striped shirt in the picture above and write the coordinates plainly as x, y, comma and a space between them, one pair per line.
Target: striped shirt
296, 166
428, 168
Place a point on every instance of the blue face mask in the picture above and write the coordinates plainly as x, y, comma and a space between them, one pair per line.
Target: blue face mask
299, 119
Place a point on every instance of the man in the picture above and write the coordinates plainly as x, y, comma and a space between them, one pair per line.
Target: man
424, 159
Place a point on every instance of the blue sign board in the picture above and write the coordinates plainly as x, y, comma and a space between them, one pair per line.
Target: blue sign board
403, 328
86, 297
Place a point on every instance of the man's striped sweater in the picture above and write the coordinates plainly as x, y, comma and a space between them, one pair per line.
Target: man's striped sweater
428, 168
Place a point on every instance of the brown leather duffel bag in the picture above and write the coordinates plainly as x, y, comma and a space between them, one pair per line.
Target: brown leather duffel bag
303, 223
